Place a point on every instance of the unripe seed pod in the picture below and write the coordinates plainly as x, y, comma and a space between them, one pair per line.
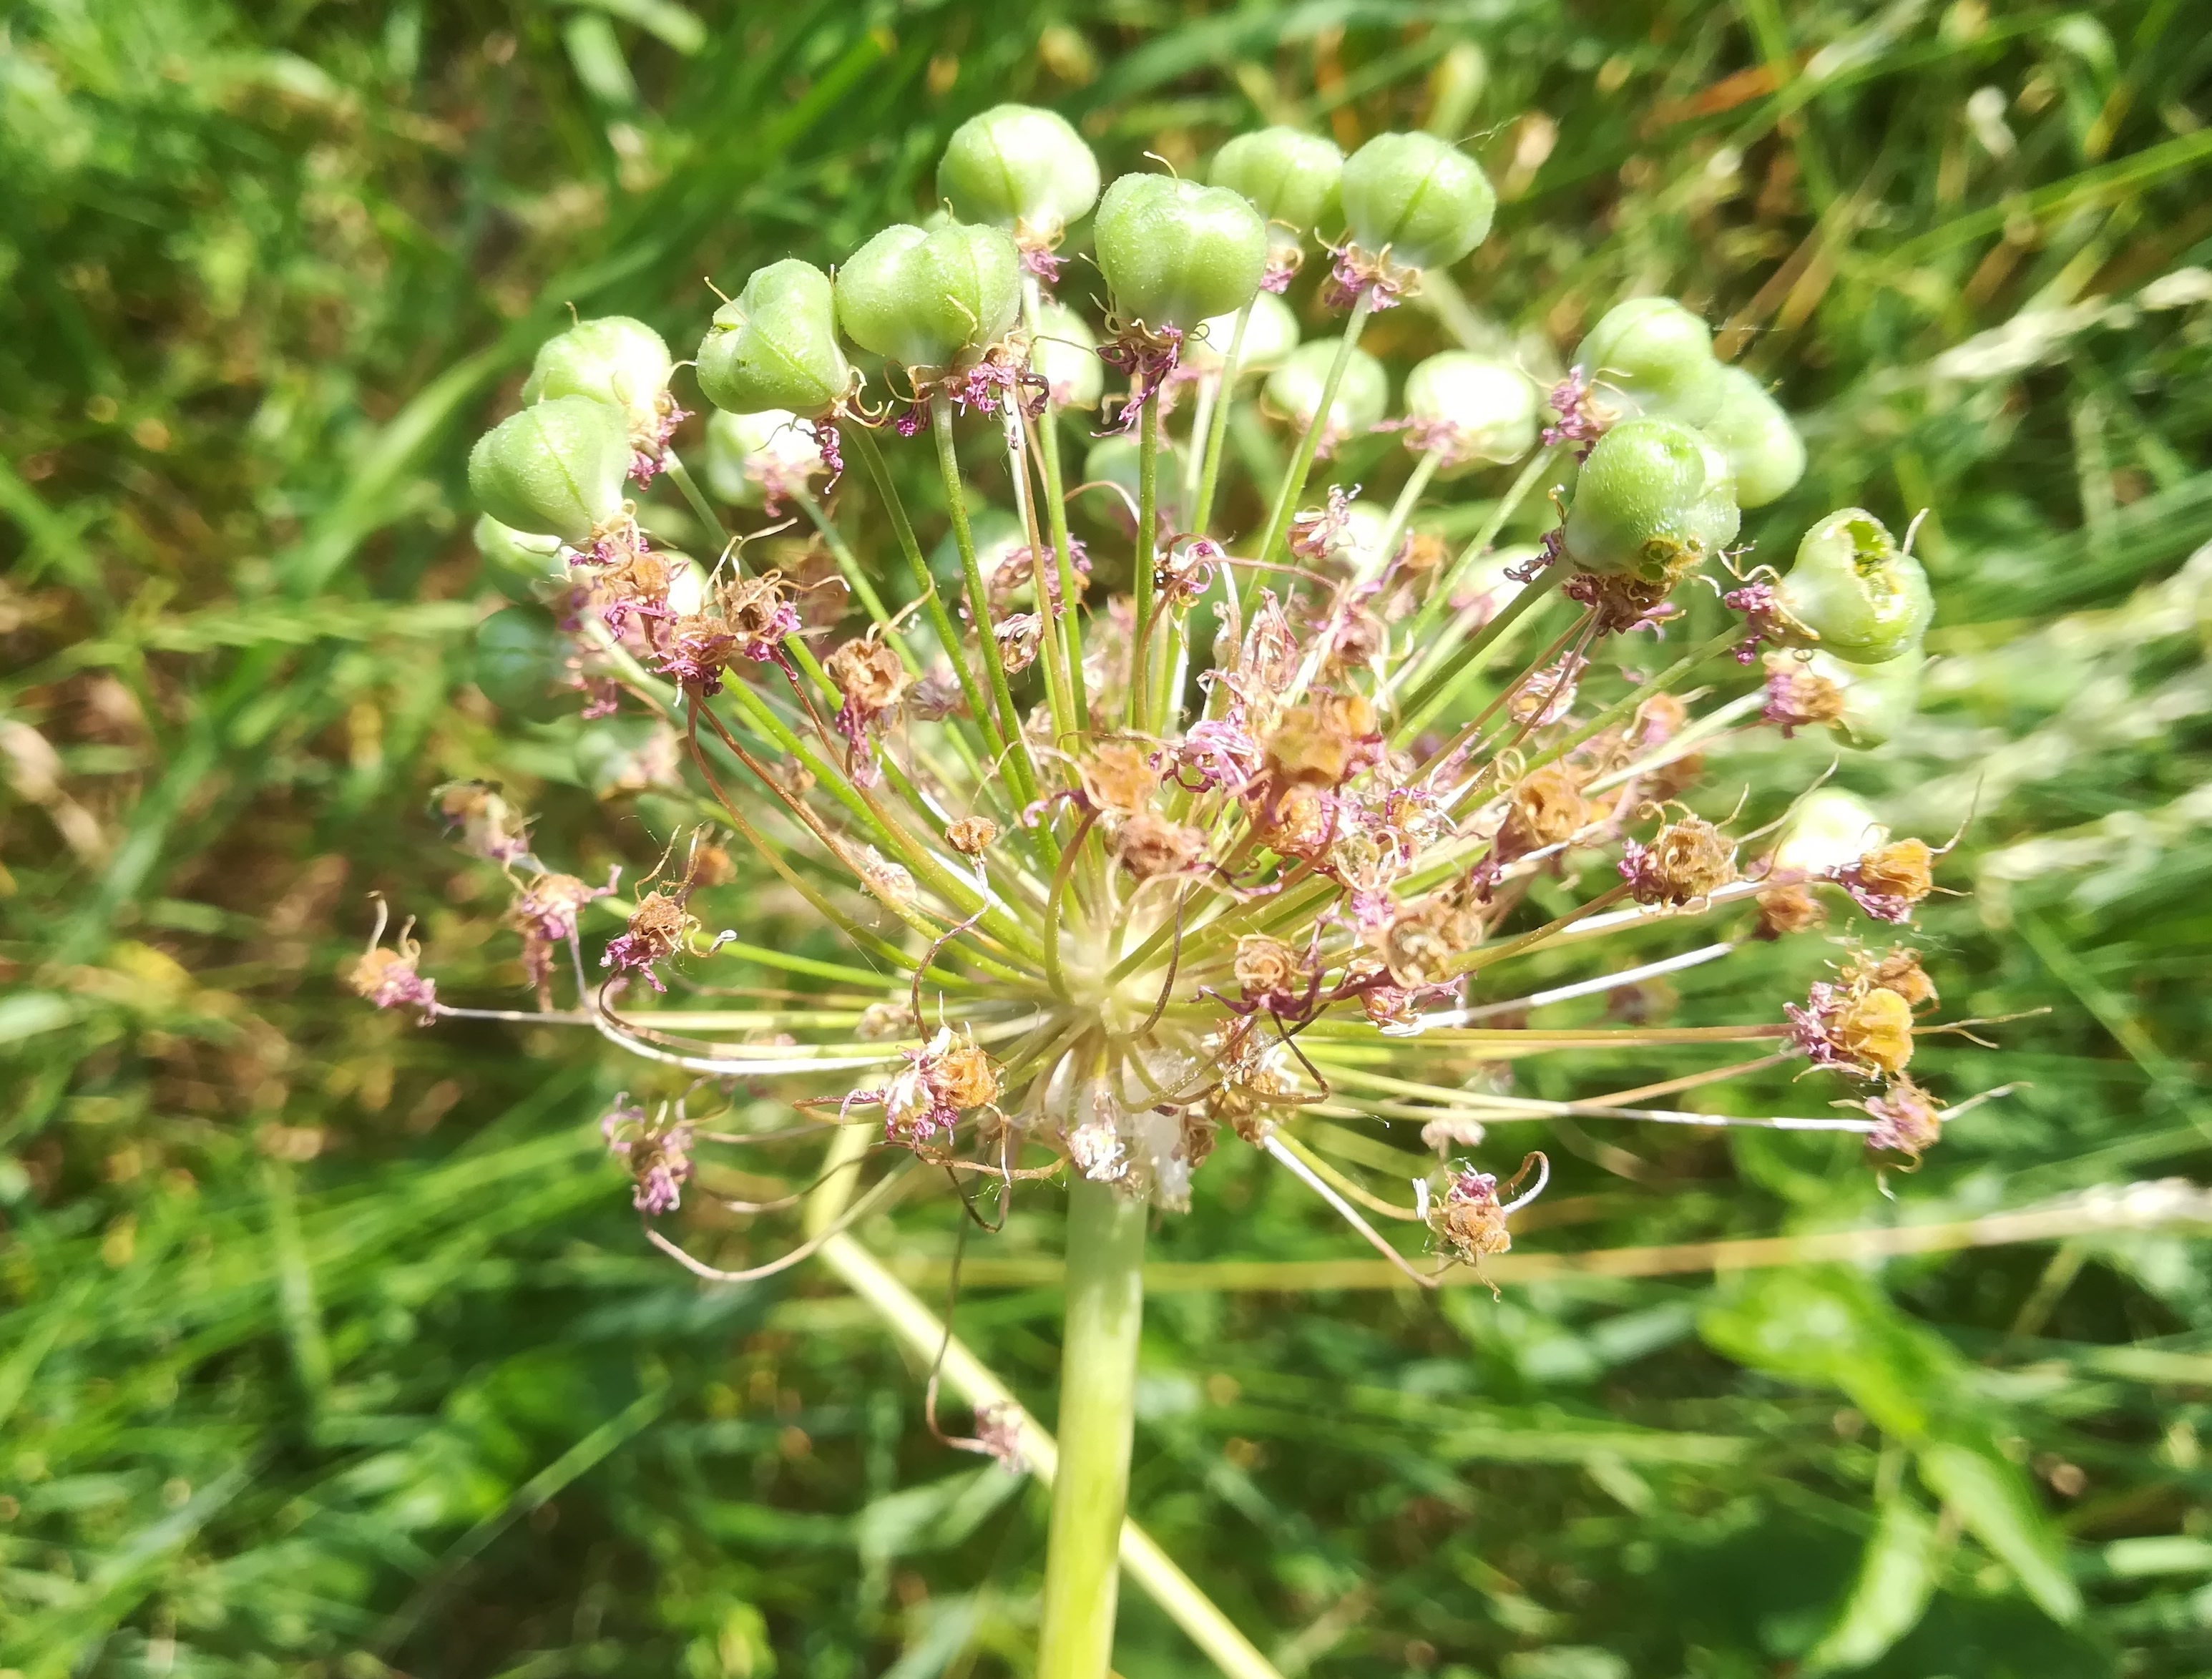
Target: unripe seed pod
1763, 447
752, 457
1290, 176
1879, 700
1175, 252
1020, 169
1651, 356
1426, 202
1853, 592
1066, 356
613, 359
1488, 407
774, 345
1654, 498
555, 469
1831, 828
931, 300
1294, 389
1270, 335
515, 560
522, 663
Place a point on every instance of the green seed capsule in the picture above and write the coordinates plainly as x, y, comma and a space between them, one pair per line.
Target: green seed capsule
1294, 389
1654, 498
1853, 592
1489, 407
613, 359
931, 300
1020, 169
522, 664
1879, 700
1426, 202
1175, 252
515, 560
1270, 336
1763, 447
1290, 176
775, 345
1066, 356
750, 455
555, 469
1651, 356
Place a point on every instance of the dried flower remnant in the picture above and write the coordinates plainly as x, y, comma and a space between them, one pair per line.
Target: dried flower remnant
657, 1152
1470, 1218
1889, 881
1907, 1121
1798, 697
1786, 910
480, 821
1859, 1028
545, 912
1687, 860
388, 978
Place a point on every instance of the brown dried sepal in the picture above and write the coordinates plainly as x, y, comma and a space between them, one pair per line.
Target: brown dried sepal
1873, 1028
1783, 910
972, 836
1899, 970
1546, 808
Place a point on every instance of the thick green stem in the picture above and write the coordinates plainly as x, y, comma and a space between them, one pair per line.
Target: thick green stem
1097, 1412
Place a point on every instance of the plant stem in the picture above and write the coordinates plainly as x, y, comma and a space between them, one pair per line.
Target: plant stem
1138, 702
979, 597
1224, 393
680, 475
1097, 1391
1294, 479
948, 634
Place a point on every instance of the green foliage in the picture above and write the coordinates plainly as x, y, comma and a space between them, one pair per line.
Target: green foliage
330, 1347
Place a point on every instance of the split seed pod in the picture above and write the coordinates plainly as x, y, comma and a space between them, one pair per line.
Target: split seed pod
1854, 592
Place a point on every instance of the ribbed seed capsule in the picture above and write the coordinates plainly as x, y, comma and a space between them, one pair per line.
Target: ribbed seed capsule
522, 663
1020, 169
1290, 177
774, 345
1651, 356
1175, 252
1427, 203
515, 561
555, 469
931, 301
1854, 592
1472, 408
614, 359
1762, 446
1879, 700
1654, 498
1294, 389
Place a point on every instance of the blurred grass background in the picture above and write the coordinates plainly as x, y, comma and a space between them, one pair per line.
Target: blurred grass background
329, 1346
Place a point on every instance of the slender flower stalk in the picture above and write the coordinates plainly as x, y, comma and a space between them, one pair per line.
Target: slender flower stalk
1103, 911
